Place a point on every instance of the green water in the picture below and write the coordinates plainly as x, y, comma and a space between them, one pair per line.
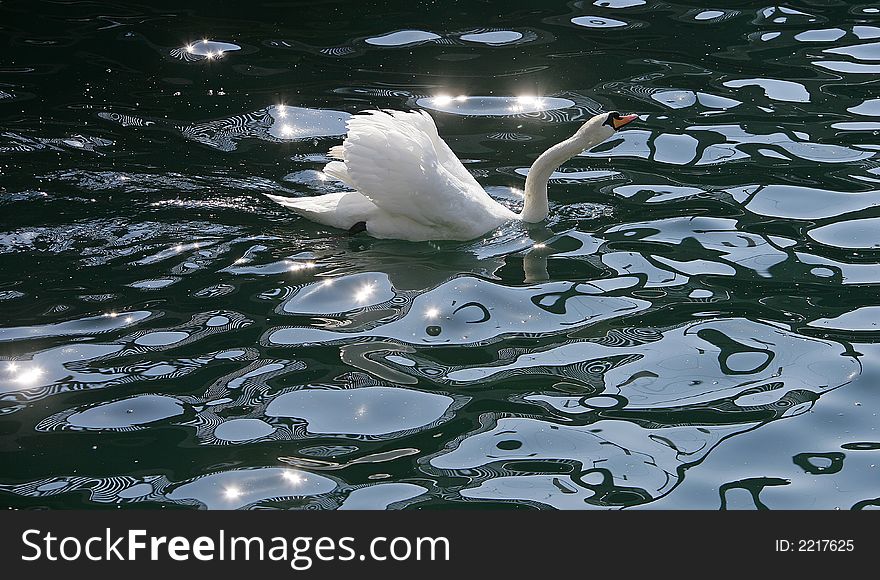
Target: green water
693, 327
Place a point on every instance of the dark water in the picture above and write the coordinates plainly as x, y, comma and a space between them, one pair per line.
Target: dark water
694, 327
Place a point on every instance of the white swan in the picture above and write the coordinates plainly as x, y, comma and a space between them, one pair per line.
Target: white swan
409, 185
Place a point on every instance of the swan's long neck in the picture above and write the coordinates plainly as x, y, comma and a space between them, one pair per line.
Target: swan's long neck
536, 205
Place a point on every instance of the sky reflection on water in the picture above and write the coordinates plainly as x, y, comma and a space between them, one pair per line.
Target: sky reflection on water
693, 327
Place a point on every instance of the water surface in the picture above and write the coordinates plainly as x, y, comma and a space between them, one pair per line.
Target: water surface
695, 326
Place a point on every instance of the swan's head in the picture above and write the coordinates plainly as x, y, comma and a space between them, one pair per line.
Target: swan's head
604, 125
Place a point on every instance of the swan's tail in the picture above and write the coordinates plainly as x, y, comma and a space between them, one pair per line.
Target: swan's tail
339, 210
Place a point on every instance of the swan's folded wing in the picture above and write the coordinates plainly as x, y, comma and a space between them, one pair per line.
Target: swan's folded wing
399, 162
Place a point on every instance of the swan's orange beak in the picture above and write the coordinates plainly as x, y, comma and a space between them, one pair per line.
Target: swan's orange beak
623, 120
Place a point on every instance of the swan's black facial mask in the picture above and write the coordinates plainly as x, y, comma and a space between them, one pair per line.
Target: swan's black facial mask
615, 120
610, 119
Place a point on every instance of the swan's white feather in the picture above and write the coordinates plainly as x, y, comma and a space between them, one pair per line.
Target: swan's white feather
399, 162
338, 171
409, 184
338, 210
344, 209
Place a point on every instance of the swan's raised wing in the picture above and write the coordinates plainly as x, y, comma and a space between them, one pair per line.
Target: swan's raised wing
445, 155
401, 164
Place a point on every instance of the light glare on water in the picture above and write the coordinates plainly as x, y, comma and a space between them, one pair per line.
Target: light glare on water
694, 326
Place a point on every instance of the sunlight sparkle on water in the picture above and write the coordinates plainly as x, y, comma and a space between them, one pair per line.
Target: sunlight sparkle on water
527, 101
432, 313
446, 99
28, 376
294, 477
295, 267
232, 493
365, 292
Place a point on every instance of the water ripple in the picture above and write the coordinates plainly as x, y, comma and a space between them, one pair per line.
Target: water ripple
704, 287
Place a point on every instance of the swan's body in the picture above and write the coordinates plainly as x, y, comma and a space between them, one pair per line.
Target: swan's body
409, 185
